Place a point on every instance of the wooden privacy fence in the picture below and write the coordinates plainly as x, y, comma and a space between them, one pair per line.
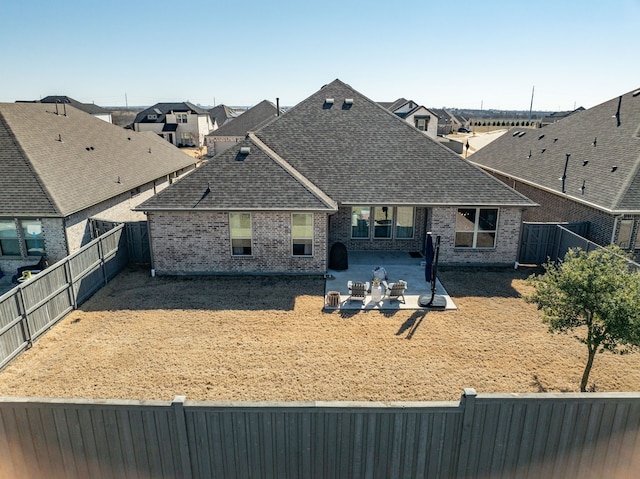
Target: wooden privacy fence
34, 306
581, 435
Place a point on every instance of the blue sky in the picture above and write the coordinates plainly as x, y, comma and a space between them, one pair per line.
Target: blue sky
487, 54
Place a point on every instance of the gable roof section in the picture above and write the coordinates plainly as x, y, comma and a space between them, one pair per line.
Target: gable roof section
260, 180
595, 143
250, 120
222, 114
55, 165
364, 154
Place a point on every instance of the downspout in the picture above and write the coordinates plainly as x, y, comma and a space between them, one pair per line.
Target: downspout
615, 228
153, 267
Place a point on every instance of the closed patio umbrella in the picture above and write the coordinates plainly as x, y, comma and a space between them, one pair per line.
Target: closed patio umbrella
428, 267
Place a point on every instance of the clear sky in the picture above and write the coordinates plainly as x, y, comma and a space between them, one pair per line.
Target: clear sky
488, 54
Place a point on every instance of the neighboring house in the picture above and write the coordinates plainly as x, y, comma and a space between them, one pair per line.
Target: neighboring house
583, 168
235, 130
222, 114
447, 121
181, 124
336, 168
557, 116
90, 108
61, 168
419, 116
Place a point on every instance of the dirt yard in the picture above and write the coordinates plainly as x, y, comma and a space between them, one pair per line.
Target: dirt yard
256, 339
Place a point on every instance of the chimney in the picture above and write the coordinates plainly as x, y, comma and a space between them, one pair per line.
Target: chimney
277, 106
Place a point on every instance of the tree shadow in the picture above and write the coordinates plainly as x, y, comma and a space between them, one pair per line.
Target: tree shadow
411, 324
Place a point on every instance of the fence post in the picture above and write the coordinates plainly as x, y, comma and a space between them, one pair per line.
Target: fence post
24, 322
103, 267
467, 403
183, 441
69, 280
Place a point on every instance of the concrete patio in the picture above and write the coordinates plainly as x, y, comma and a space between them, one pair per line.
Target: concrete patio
399, 266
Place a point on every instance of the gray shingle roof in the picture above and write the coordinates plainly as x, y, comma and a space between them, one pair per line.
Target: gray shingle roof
355, 154
86, 107
366, 154
55, 165
615, 146
248, 121
257, 181
222, 114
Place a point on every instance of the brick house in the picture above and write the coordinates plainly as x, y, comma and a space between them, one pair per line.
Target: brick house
585, 167
336, 168
61, 167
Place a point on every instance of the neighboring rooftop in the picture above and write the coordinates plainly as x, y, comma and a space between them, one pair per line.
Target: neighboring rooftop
55, 163
591, 156
160, 110
251, 120
90, 108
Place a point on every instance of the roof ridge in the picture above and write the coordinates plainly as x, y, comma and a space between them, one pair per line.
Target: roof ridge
321, 195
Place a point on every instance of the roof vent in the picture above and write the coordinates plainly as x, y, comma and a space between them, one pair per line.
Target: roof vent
585, 162
613, 168
595, 141
582, 188
522, 133
635, 93
540, 137
348, 101
328, 101
245, 150
516, 133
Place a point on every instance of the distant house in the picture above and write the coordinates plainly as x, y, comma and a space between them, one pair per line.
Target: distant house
448, 122
557, 116
419, 116
336, 168
235, 130
90, 108
585, 167
222, 114
62, 167
181, 124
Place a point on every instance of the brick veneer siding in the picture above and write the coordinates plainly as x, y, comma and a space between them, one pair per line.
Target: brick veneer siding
340, 232
199, 243
440, 221
505, 253
556, 208
55, 244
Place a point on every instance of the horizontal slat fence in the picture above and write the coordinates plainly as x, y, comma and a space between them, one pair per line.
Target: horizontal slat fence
581, 435
32, 307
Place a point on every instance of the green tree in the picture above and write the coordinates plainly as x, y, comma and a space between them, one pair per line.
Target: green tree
596, 297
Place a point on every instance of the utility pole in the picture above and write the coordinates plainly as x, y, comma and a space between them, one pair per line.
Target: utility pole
531, 106
126, 102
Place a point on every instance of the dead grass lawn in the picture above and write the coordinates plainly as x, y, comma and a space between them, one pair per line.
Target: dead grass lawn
257, 339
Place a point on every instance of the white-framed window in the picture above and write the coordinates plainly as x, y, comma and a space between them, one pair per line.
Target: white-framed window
33, 237
360, 216
181, 118
240, 233
476, 227
624, 234
9, 238
302, 234
405, 219
383, 222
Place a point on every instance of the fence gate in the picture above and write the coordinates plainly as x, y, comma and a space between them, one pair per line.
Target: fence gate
137, 238
542, 241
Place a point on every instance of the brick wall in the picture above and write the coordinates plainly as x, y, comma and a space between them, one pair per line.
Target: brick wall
340, 232
198, 243
557, 208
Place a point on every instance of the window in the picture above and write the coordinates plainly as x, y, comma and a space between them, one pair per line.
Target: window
9, 240
624, 234
181, 118
476, 227
33, 237
360, 221
186, 138
383, 221
240, 231
421, 124
302, 234
404, 222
